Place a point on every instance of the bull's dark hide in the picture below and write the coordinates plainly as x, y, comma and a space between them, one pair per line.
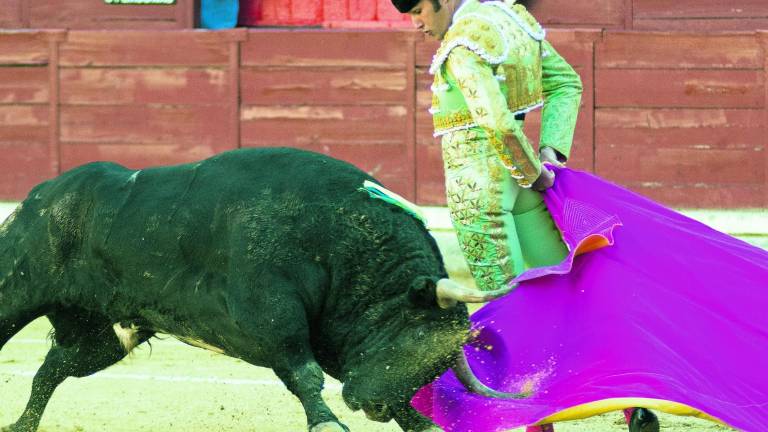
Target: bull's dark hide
274, 256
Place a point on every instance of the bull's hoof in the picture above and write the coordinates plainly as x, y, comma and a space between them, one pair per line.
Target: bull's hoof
643, 420
329, 427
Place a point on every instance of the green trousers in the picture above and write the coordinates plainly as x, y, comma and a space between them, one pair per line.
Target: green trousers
503, 229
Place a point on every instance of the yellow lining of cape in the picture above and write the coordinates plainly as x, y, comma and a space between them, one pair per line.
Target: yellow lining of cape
583, 411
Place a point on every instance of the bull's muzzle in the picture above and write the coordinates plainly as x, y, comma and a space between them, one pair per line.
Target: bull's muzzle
377, 412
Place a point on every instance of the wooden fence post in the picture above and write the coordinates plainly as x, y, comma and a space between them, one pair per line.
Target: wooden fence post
55, 38
763, 36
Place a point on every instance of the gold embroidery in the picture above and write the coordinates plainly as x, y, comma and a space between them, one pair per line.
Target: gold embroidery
456, 119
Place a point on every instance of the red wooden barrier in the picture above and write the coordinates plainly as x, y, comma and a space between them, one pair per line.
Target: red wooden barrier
27, 120
689, 129
695, 15
346, 100
700, 15
680, 117
144, 98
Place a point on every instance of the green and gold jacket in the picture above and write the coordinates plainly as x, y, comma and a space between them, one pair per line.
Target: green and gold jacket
493, 65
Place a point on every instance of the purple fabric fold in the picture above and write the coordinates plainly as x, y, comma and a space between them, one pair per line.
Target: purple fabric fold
671, 309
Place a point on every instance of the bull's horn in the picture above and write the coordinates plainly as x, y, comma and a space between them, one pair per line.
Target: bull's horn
465, 375
449, 292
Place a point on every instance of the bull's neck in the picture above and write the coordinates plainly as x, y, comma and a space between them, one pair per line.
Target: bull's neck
372, 265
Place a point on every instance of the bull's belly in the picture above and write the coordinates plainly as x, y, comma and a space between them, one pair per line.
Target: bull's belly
234, 344
200, 344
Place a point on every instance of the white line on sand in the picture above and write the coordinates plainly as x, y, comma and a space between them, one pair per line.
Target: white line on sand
151, 377
173, 378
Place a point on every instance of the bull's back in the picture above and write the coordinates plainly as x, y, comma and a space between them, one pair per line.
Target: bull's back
122, 227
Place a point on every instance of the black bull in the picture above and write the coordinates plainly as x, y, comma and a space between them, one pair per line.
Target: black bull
273, 256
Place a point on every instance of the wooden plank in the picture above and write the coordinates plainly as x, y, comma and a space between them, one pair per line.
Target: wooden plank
202, 125
15, 181
641, 50
430, 179
10, 14
23, 48
54, 102
680, 88
106, 86
410, 137
146, 48
23, 85
763, 36
701, 25
135, 156
291, 86
340, 48
425, 50
90, 14
186, 13
24, 124
581, 39
674, 166
629, 14
666, 119
597, 13
677, 147
700, 9
303, 126
694, 130
233, 91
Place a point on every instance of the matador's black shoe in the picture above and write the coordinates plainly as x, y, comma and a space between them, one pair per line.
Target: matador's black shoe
643, 420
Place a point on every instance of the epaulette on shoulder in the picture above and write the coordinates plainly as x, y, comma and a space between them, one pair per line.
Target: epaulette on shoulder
521, 16
476, 32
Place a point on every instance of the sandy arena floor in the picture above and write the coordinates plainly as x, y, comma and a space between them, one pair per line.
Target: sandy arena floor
177, 388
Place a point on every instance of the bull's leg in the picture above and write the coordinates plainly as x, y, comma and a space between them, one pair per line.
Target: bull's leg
304, 378
12, 324
292, 358
83, 346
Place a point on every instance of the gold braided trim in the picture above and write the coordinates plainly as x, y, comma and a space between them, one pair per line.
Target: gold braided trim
451, 121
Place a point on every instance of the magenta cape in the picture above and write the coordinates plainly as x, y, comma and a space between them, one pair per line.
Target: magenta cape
673, 315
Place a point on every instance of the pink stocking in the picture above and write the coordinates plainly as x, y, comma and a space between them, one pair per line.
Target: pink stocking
549, 427
628, 414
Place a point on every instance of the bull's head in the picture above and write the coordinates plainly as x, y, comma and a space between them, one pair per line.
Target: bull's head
409, 348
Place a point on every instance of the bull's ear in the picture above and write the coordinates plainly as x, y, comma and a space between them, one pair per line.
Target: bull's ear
423, 291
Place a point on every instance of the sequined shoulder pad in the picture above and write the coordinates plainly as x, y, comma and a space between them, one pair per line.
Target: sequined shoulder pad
521, 16
476, 32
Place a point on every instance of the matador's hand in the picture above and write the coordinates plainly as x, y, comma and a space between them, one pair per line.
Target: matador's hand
549, 155
545, 181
